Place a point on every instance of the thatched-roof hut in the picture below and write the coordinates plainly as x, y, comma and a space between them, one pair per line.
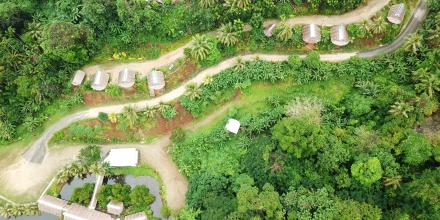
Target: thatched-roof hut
396, 13
52, 205
269, 31
137, 216
311, 33
100, 81
115, 207
126, 78
77, 212
78, 77
156, 82
339, 35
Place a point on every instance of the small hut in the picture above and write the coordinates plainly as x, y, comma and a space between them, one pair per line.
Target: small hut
52, 205
77, 212
78, 77
311, 33
396, 13
126, 78
269, 31
156, 82
137, 216
115, 208
100, 81
339, 35
232, 126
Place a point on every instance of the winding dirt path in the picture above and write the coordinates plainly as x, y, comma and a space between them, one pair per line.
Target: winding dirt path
26, 176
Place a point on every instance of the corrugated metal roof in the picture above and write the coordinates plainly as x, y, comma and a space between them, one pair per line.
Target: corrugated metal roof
339, 35
311, 33
78, 77
100, 81
126, 78
137, 216
396, 13
156, 80
52, 205
78, 212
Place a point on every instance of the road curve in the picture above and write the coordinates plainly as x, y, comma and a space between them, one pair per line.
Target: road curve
414, 23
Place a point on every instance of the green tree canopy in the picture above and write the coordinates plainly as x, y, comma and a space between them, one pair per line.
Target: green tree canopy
367, 171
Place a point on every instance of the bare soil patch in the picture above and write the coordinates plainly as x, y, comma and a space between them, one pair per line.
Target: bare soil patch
164, 126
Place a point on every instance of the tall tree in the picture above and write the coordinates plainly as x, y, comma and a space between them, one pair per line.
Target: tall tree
200, 47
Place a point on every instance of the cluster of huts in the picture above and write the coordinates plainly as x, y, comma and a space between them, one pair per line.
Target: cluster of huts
311, 33
61, 208
126, 80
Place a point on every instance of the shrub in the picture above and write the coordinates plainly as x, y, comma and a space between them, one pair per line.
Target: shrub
165, 211
141, 198
169, 112
416, 149
83, 194
178, 135
103, 117
367, 171
113, 91
90, 154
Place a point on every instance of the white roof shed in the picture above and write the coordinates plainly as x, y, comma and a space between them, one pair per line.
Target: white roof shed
233, 126
123, 157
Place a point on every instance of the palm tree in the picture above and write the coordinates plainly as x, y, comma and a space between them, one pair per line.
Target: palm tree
413, 43
227, 35
393, 181
193, 91
99, 168
150, 112
377, 26
238, 4
207, 3
239, 64
131, 116
284, 31
35, 30
62, 177
200, 47
5, 211
208, 80
401, 109
426, 82
113, 117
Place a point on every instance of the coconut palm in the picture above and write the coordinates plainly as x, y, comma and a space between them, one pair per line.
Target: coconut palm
208, 80
131, 116
284, 31
413, 43
113, 117
377, 26
150, 112
62, 177
239, 64
426, 82
200, 47
35, 30
238, 4
401, 109
207, 3
5, 211
100, 168
227, 35
393, 181
193, 91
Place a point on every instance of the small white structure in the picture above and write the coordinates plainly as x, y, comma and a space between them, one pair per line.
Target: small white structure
269, 31
233, 126
123, 157
126, 78
115, 208
137, 216
52, 205
311, 33
78, 77
339, 35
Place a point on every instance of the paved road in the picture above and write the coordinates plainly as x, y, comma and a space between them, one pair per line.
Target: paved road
414, 23
37, 151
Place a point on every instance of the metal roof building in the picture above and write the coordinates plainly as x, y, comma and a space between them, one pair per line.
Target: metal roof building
78, 77
156, 82
269, 31
311, 33
137, 216
339, 35
100, 81
123, 157
233, 126
126, 78
396, 13
78, 212
52, 205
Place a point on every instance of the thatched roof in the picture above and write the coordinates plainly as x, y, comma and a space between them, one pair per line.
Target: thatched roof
78, 77
156, 80
396, 13
269, 31
126, 78
100, 81
52, 205
137, 216
339, 35
115, 207
77, 212
311, 33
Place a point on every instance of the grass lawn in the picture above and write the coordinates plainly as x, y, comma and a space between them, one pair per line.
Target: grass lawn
141, 170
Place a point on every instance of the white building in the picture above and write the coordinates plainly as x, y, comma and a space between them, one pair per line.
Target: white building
123, 157
233, 126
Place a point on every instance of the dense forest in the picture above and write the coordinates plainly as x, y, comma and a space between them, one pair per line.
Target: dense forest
44, 42
339, 141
